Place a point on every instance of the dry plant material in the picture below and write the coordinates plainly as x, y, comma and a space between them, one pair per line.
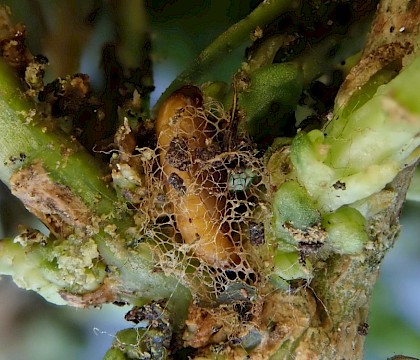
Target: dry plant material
54, 204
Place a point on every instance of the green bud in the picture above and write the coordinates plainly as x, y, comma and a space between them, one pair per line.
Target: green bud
278, 282
27, 269
52, 265
114, 354
241, 181
307, 154
346, 230
288, 267
273, 93
293, 206
361, 150
129, 342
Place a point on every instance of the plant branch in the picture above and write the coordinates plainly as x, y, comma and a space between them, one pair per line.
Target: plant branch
62, 184
28, 138
331, 212
232, 38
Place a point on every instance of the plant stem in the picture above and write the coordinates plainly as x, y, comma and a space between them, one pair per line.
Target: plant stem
27, 142
27, 138
232, 38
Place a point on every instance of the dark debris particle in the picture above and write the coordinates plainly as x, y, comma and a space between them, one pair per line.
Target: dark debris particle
208, 153
157, 340
177, 183
178, 154
339, 185
135, 315
363, 329
119, 303
256, 234
41, 59
152, 313
185, 353
67, 96
243, 310
235, 341
14, 50
14, 159
307, 248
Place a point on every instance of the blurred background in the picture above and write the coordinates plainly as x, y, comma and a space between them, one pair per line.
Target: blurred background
71, 34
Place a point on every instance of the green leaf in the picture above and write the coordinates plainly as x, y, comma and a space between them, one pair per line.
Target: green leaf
272, 95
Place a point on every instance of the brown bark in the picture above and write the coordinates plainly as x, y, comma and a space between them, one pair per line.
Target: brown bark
328, 319
330, 316
342, 288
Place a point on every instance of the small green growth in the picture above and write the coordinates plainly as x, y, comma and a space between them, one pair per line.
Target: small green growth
288, 266
28, 269
136, 343
293, 206
52, 265
270, 97
279, 283
114, 354
78, 267
346, 229
129, 342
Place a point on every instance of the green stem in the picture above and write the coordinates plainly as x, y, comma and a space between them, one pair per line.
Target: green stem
28, 139
232, 38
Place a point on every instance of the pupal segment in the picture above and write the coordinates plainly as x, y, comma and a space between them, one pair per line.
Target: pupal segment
182, 132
